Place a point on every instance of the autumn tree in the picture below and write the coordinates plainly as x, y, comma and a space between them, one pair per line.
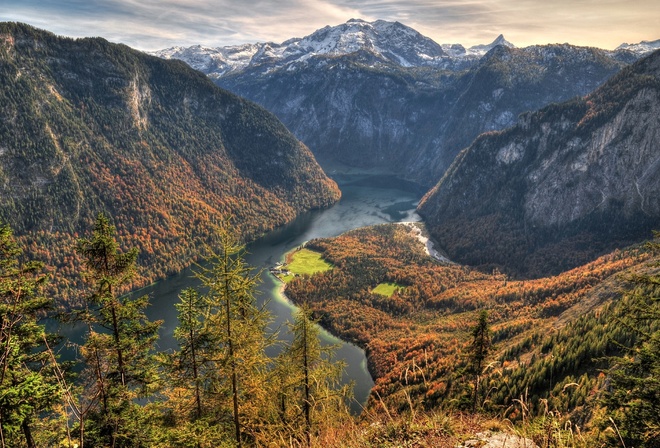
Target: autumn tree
479, 349
193, 369
311, 394
28, 385
188, 363
118, 351
235, 326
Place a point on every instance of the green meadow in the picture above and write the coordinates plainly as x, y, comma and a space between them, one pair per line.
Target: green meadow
304, 261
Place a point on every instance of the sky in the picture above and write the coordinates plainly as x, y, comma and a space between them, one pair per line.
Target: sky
156, 24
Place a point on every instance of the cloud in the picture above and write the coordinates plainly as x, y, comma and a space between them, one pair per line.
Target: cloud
152, 24
155, 24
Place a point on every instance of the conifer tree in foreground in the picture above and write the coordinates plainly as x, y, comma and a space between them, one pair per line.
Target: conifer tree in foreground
190, 365
28, 385
189, 410
118, 352
234, 331
312, 395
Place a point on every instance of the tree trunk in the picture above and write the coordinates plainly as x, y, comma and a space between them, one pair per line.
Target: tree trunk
198, 398
115, 331
234, 380
306, 404
476, 393
27, 432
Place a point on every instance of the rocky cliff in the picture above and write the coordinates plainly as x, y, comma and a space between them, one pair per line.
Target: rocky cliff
564, 184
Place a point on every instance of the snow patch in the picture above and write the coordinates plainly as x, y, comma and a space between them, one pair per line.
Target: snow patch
510, 153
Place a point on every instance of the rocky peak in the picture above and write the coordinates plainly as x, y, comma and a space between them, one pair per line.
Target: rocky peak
483, 49
642, 48
389, 42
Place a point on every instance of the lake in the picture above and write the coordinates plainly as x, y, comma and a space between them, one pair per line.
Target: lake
367, 199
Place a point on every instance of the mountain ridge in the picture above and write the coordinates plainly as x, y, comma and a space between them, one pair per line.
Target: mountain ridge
366, 109
566, 183
91, 126
349, 37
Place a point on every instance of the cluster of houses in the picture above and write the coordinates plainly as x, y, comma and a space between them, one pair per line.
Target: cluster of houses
280, 270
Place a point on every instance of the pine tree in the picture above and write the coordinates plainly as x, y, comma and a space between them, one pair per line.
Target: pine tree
236, 326
190, 363
479, 352
633, 395
312, 395
189, 413
28, 385
118, 352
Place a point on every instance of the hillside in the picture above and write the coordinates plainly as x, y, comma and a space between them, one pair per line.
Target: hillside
546, 333
90, 126
564, 185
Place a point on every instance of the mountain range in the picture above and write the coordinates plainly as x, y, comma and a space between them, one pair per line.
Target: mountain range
89, 126
386, 41
393, 42
380, 94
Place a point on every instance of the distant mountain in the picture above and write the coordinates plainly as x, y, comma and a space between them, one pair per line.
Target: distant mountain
415, 120
640, 49
483, 49
90, 126
505, 83
477, 51
378, 41
381, 94
565, 184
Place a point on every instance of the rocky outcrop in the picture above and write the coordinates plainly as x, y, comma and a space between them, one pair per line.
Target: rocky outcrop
564, 184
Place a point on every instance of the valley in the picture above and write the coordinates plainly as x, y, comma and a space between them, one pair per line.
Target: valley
142, 206
361, 205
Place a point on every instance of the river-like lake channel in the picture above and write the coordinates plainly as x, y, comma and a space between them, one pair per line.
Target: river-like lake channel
367, 199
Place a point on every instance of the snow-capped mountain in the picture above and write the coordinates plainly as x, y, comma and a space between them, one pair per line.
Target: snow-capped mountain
379, 41
642, 48
480, 50
475, 52
213, 61
381, 94
390, 41
375, 43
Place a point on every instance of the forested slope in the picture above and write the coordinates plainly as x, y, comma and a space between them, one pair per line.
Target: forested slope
564, 185
89, 126
546, 333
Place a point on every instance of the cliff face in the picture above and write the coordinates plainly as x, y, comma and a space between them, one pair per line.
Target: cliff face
88, 126
563, 185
